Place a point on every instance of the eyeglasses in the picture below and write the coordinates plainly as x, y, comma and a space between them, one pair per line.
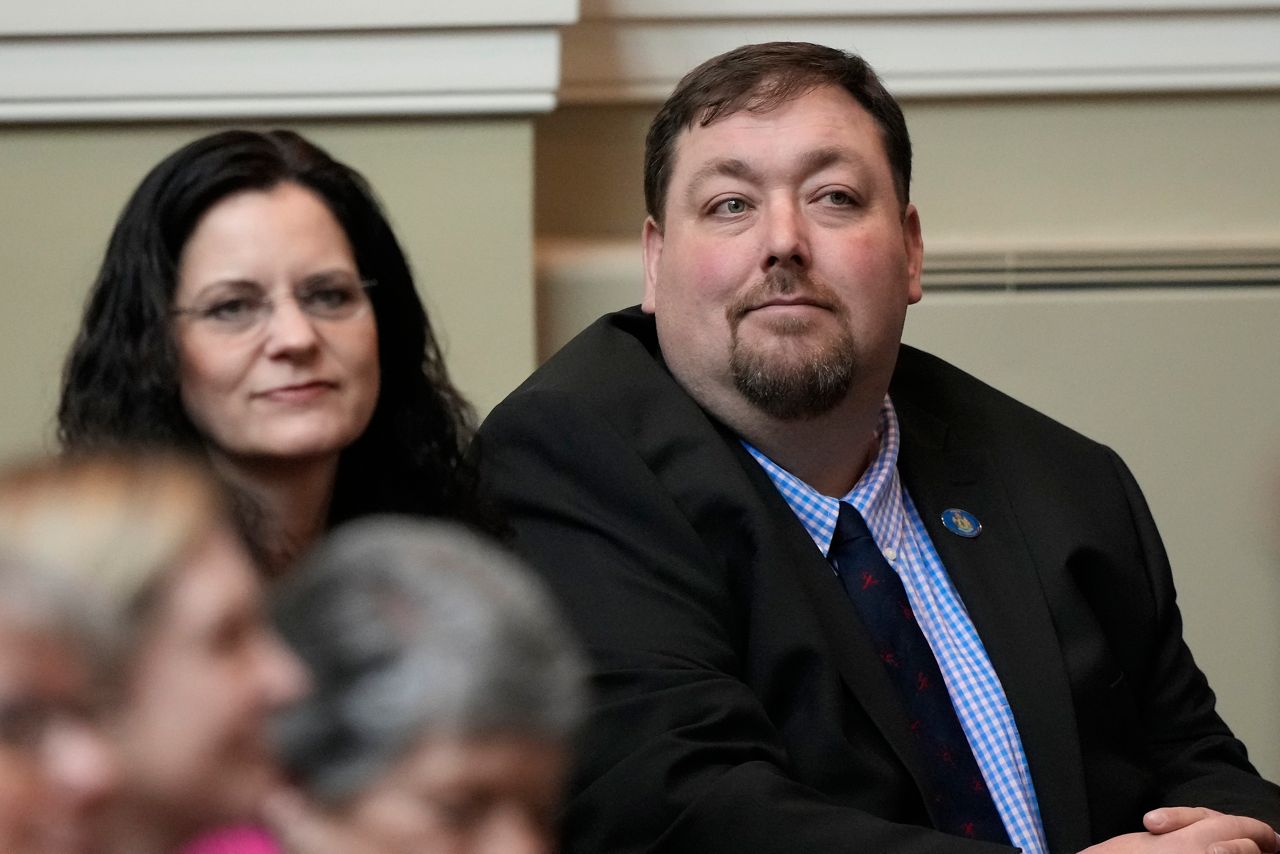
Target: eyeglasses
242, 308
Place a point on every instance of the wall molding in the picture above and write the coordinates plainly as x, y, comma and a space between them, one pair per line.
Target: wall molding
629, 51
147, 60
135, 17
617, 263
771, 9
578, 279
81, 60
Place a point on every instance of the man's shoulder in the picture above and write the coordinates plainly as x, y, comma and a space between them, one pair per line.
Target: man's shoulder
613, 366
926, 388
619, 349
610, 375
605, 414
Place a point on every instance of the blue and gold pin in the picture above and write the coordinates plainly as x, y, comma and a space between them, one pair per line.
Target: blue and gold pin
962, 523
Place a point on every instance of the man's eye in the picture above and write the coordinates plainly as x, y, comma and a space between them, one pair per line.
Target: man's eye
840, 198
733, 207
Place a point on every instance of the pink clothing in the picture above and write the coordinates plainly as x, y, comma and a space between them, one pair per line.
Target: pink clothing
234, 840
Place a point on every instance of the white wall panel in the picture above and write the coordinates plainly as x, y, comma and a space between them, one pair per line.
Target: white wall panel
628, 51
72, 17
146, 59
597, 9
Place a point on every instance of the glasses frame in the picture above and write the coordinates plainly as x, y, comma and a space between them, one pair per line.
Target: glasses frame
199, 317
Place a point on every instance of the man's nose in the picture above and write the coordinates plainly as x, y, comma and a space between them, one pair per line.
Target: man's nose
786, 237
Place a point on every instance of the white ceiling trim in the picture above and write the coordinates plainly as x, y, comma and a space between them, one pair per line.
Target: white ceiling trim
74, 60
711, 9
133, 17
1213, 46
444, 64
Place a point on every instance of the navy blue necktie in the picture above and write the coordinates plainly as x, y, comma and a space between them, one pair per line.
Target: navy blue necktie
961, 802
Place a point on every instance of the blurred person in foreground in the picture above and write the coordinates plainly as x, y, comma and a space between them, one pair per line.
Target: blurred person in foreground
254, 306
839, 594
446, 694
57, 770
195, 667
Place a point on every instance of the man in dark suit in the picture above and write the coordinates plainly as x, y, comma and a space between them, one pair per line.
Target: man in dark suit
838, 594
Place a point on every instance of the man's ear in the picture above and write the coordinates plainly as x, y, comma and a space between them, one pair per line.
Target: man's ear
914, 245
651, 241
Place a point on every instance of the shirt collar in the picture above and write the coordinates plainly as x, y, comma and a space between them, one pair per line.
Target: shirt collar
877, 495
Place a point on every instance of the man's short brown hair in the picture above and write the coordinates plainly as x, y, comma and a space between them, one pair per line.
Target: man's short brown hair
759, 78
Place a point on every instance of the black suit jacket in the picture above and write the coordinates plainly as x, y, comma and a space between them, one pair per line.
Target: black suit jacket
738, 703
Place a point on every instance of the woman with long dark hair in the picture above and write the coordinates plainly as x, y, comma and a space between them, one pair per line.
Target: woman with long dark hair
254, 303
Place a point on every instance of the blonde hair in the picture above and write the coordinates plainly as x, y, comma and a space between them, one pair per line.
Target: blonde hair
113, 524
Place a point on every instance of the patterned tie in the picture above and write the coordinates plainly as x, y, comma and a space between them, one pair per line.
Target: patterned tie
960, 797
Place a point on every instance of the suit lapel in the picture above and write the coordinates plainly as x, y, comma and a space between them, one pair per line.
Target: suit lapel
853, 654
996, 576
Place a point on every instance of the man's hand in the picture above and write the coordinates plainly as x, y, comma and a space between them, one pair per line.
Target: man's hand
1193, 830
1169, 819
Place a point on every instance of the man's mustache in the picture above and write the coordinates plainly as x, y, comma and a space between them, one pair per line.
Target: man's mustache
782, 283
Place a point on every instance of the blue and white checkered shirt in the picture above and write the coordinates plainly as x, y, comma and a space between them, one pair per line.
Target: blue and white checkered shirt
971, 680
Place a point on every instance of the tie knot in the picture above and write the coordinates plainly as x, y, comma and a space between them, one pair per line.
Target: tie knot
850, 526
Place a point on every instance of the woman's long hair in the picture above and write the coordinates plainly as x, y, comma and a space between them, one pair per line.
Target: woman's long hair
120, 382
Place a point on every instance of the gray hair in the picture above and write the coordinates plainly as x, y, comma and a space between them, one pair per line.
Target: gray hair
39, 596
417, 627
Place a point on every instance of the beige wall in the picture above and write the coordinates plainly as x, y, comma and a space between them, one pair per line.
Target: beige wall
1133, 169
1167, 170
458, 193
1181, 383
1162, 375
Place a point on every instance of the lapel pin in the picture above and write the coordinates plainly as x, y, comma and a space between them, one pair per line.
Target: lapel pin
962, 523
